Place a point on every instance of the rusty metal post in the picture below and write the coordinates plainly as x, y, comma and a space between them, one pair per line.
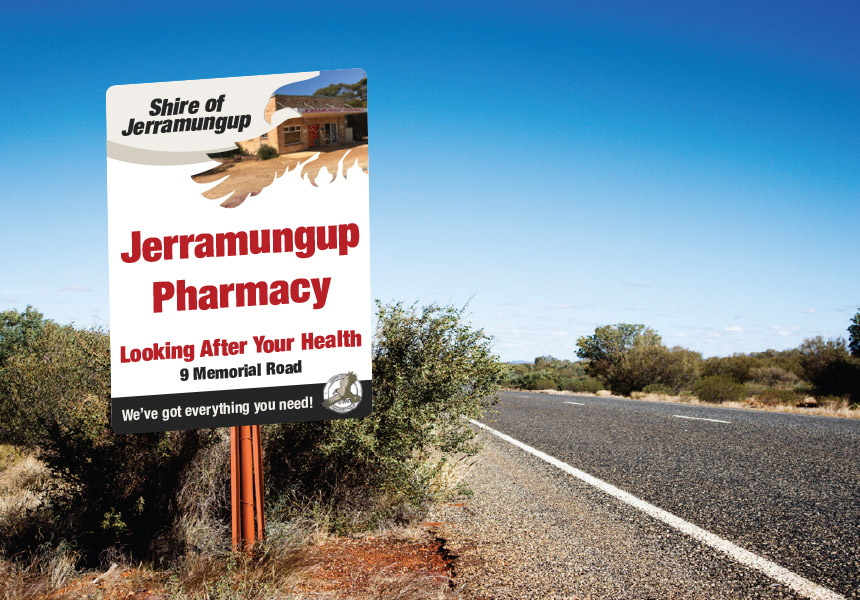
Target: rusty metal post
258, 482
234, 488
246, 486
246, 483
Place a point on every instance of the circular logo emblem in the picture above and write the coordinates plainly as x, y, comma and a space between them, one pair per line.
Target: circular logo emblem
342, 393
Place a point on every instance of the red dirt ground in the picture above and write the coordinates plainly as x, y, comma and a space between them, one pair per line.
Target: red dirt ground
355, 566
343, 568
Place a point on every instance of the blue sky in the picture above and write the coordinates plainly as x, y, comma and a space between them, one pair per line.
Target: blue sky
688, 165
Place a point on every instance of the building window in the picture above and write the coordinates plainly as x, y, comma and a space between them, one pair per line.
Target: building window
292, 134
264, 137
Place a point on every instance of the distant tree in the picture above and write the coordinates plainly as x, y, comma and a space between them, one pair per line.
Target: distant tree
542, 362
828, 366
854, 335
625, 356
18, 331
737, 367
610, 342
355, 93
674, 368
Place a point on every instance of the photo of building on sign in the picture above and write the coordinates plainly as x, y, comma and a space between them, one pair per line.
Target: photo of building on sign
330, 133
326, 122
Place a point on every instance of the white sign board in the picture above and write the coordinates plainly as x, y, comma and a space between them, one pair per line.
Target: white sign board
239, 287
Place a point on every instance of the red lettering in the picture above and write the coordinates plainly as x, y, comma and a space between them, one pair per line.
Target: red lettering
161, 291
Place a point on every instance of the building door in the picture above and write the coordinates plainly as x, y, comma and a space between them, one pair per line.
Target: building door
313, 135
330, 133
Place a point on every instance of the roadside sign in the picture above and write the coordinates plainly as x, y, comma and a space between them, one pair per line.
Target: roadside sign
239, 287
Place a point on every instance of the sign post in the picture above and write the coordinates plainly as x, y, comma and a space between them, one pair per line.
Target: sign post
246, 485
239, 288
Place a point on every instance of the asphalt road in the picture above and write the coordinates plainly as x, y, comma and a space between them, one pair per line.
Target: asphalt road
784, 486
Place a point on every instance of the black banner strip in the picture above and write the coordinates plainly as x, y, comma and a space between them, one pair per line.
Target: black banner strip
225, 408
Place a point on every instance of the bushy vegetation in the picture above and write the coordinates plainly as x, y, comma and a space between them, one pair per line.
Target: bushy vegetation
854, 335
631, 357
266, 152
628, 358
549, 373
673, 368
719, 388
157, 495
431, 371
829, 367
109, 488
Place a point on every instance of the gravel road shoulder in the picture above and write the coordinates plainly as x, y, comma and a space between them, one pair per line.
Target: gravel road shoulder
531, 531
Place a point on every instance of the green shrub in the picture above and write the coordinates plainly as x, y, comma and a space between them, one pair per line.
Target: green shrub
546, 373
737, 367
113, 489
854, 335
565, 383
538, 381
676, 368
587, 384
828, 366
266, 152
18, 331
657, 388
773, 376
770, 367
719, 388
543, 383
773, 397
431, 372
519, 370
590, 384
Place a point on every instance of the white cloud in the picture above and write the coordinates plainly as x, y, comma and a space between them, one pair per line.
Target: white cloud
74, 288
811, 311
733, 328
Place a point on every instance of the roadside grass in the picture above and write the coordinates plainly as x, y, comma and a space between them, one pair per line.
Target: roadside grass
826, 407
24, 484
404, 563
40, 577
270, 572
302, 557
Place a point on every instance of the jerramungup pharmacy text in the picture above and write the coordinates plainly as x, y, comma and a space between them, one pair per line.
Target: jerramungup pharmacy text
303, 242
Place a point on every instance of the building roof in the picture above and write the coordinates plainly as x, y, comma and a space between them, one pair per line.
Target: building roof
316, 104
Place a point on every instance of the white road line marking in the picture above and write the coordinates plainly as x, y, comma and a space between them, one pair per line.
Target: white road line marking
799, 584
522, 396
577, 403
702, 419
